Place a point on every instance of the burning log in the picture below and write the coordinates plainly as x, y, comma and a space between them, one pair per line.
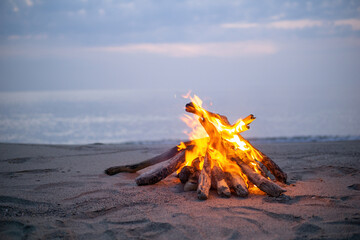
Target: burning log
192, 183
161, 172
237, 183
185, 173
149, 162
262, 183
273, 168
218, 180
189, 171
190, 107
204, 179
224, 161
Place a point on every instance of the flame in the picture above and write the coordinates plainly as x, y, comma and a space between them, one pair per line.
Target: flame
187, 95
181, 146
222, 132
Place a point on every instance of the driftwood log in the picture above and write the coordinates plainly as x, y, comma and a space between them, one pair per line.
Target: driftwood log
204, 179
161, 172
192, 183
262, 183
149, 162
272, 167
237, 183
185, 173
218, 180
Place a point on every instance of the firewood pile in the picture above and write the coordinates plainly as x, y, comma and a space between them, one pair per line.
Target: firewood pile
222, 160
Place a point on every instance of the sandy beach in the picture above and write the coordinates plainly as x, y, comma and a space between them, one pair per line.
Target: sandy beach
61, 192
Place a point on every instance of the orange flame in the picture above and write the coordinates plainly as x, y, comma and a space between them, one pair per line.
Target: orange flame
223, 132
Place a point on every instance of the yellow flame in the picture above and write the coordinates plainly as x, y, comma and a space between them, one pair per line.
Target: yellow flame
224, 132
181, 146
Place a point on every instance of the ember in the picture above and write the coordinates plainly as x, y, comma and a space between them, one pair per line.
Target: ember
216, 156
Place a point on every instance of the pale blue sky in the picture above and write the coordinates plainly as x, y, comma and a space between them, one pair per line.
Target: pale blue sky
62, 45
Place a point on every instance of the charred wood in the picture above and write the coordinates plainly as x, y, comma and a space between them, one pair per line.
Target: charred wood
204, 180
262, 183
157, 174
218, 180
149, 162
192, 183
237, 183
185, 173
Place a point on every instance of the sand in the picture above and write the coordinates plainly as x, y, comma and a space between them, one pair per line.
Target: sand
61, 192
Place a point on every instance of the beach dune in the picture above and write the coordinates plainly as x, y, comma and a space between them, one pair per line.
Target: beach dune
61, 192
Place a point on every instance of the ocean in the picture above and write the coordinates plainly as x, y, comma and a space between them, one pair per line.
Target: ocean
137, 116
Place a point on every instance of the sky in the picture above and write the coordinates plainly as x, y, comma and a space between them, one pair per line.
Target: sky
267, 55
197, 45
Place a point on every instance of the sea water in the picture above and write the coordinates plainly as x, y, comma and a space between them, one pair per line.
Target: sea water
119, 116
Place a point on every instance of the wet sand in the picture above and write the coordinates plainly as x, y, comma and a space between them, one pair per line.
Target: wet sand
61, 192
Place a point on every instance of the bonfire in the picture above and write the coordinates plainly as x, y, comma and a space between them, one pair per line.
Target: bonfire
216, 156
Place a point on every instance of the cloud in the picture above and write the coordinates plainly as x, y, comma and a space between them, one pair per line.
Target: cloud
240, 25
288, 24
354, 23
227, 49
295, 24
29, 3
